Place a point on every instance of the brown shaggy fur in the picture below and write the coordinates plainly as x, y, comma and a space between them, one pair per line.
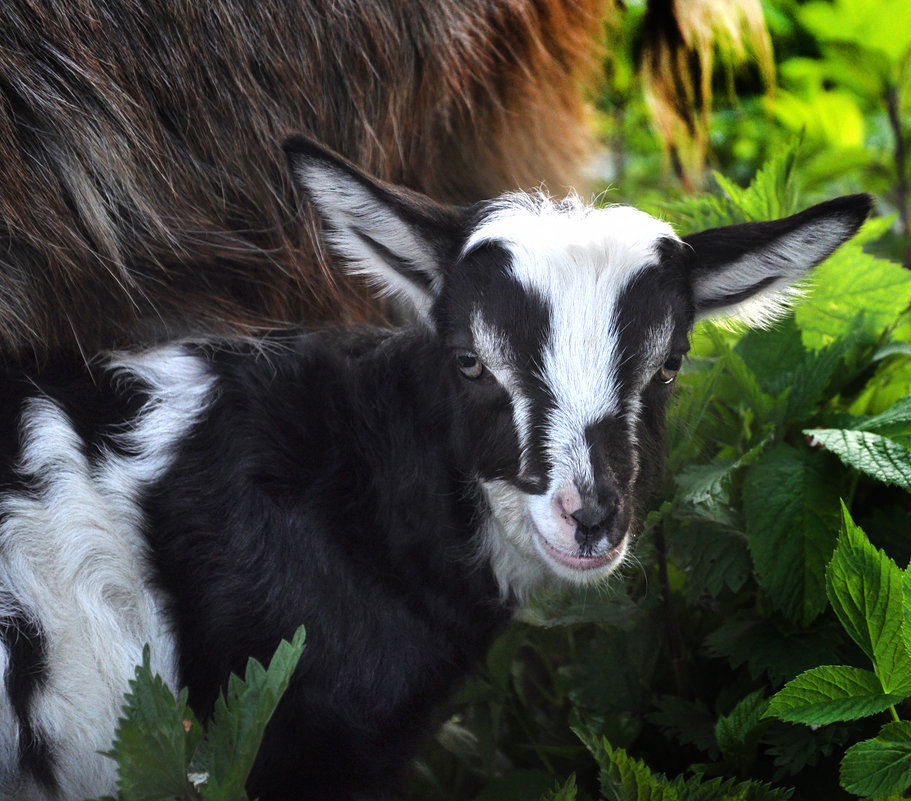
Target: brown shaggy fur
143, 191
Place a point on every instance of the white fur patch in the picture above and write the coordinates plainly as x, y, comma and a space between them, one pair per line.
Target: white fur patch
577, 260
72, 558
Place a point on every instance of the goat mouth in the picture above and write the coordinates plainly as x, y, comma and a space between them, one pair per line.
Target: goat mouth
583, 558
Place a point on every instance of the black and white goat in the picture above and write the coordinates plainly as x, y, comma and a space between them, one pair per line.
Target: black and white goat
398, 492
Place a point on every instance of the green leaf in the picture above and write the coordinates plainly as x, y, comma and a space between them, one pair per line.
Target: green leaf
772, 646
610, 605
880, 766
873, 454
780, 362
906, 609
848, 281
622, 777
748, 386
239, 721
865, 589
895, 420
713, 557
689, 722
155, 740
771, 193
566, 792
862, 22
738, 733
789, 502
830, 693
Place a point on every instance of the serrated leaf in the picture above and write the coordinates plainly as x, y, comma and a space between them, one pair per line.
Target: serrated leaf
789, 502
698, 788
906, 609
830, 693
738, 732
880, 766
239, 720
609, 605
797, 747
767, 646
622, 777
713, 557
771, 193
566, 792
780, 362
873, 454
848, 281
763, 405
155, 740
895, 420
864, 587
689, 722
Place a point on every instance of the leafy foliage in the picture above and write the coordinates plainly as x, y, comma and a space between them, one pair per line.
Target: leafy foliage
762, 634
161, 750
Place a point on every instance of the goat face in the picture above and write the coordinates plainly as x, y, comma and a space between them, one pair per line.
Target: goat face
560, 330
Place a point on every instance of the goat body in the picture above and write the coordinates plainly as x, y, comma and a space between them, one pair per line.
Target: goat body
398, 492
141, 192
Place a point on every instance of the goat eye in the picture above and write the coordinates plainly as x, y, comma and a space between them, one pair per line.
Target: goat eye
668, 372
469, 364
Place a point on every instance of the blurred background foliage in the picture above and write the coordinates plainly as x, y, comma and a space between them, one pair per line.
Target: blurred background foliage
836, 74
657, 686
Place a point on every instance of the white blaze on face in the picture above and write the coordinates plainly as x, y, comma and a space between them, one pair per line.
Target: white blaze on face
577, 260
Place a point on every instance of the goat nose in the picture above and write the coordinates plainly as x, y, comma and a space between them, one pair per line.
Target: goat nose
595, 520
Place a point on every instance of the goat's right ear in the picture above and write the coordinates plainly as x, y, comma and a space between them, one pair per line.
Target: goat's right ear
399, 240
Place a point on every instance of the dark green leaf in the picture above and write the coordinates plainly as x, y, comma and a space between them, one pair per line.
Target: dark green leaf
880, 766
775, 648
875, 455
846, 282
155, 740
738, 733
830, 693
239, 720
865, 589
790, 500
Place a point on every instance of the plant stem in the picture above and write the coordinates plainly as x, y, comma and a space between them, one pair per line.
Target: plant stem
895, 716
671, 624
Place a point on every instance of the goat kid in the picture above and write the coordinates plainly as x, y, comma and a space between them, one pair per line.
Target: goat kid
398, 492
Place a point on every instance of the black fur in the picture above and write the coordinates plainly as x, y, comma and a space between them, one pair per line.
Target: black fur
26, 673
319, 490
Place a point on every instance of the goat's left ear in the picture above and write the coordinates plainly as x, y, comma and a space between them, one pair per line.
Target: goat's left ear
748, 271
399, 240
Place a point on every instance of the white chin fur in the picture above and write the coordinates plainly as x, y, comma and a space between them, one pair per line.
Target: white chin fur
526, 550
